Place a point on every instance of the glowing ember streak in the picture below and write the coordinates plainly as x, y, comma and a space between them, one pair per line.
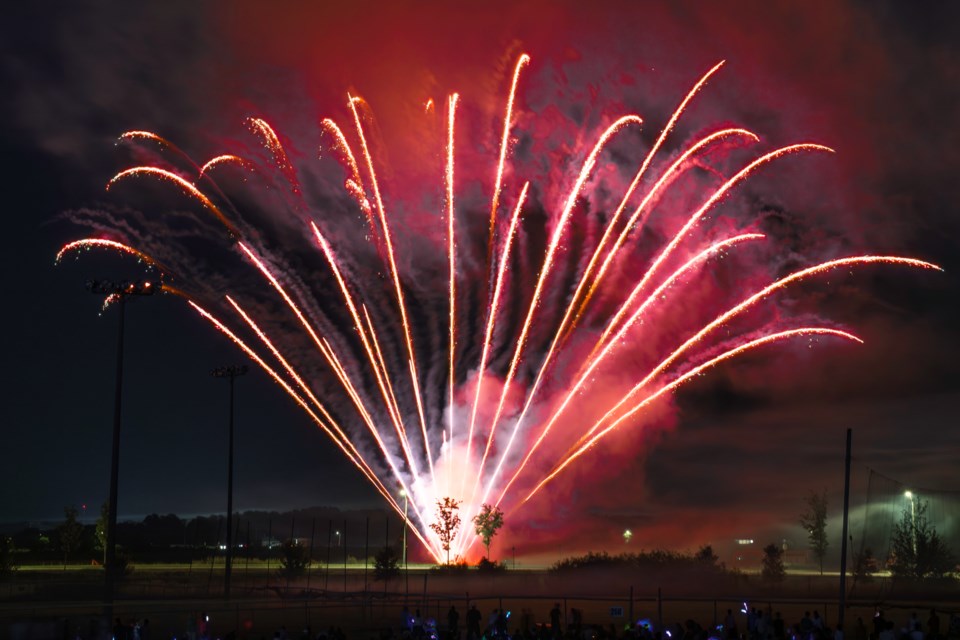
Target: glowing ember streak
754, 299
146, 135
273, 145
383, 379
428, 106
504, 144
396, 279
559, 334
636, 180
90, 243
296, 397
551, 250
226, 158
488, 334
451, 254
782, 335
630, 226
719, 193
328, 354
188, 187
595, 362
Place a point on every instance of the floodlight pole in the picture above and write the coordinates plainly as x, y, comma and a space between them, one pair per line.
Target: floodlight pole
231, 373
843, 540
119, 291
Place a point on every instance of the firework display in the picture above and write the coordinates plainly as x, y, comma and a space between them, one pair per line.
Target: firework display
500, 415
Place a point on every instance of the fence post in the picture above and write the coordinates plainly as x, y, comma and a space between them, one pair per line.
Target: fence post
659, 608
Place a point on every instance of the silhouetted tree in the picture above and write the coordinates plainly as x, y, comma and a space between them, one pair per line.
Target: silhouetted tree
448, 523
706, 556
773, 570
69, 533
917, 550
386, 564
294, 559
100, 532
814, 522
8, 563
487, 523
865, 565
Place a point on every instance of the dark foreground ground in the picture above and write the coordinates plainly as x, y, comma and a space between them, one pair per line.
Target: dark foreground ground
65, 605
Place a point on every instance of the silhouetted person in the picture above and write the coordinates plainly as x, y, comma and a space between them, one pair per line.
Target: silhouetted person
473, 623
933, 625
453, 621
555, 620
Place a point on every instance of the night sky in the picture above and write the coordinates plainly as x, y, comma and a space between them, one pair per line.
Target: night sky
732, 455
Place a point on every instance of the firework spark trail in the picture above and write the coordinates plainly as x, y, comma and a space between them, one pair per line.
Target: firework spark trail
340, 433
714, 197
381, 212
272, 142
188, 187
382, 376
329, 355
636, 182
227, 158
354, 184
89, 243
335, 425
451, 255
749, 302
558, 336
551, 251
594, 362
782, 335
630, 226
504, 145
491, 320
300, 401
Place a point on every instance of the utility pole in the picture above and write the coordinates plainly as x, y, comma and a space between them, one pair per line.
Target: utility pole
117, 292
843, 543
231, 373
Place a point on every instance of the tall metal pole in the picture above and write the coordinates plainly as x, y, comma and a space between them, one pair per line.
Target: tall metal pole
110, 560
118, 291
843, 543
231, 373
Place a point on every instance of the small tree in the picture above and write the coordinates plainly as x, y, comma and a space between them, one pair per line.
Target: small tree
448, 523
386, 564
487, 523
864, 565
917, 549
773, 570
706, 557
100, 532
294, 559
8, 564
814, 522
69, 533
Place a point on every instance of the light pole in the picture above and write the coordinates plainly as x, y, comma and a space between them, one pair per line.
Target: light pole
230, 373
913, 519
119, 291
406, 573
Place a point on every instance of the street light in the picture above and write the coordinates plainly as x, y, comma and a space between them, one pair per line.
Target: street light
913, 518
118, 292
231, 373
406, 573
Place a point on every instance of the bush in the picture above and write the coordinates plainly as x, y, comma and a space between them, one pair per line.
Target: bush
294, 559
489, 566
386, 564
